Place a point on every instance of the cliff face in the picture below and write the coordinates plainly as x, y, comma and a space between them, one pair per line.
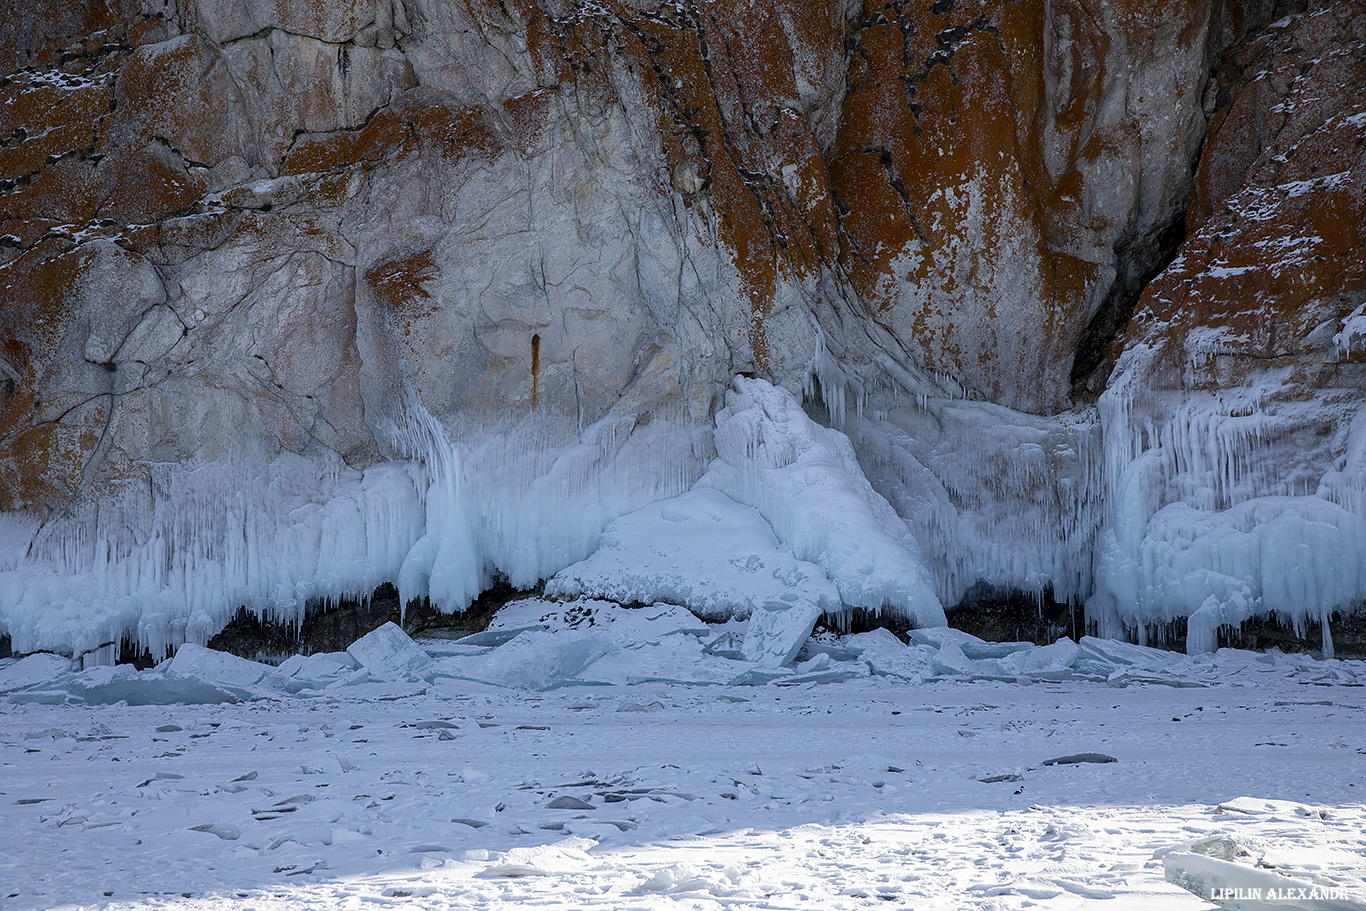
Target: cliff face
239, 231
1234, 414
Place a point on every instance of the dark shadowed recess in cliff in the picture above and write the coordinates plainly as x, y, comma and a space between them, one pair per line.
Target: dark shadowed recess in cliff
1348, 628
1137, 263
331, 627
987, 612
1140, 260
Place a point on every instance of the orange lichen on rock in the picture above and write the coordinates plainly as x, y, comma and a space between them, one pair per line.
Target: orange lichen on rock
417, 123
47, 30
724, 83
179, 92
40, 462
527, 116
140, 186
398, 283
1277, 261
943, 221
44, 116
990, 176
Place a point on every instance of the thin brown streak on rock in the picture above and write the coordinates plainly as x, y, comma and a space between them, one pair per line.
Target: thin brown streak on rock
535, 368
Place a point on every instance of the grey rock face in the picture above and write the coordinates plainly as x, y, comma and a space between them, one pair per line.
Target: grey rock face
274, 228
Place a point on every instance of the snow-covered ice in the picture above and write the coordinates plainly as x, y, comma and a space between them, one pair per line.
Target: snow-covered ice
892, 786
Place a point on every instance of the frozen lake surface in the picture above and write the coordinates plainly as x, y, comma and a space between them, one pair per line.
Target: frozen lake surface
866, 791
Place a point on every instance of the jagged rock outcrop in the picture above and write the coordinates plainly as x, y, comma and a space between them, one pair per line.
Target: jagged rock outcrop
596, 207
236, 232
993, 159
1234, 415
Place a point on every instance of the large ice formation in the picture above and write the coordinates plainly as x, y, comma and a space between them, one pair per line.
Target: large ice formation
806, 481
1149, 523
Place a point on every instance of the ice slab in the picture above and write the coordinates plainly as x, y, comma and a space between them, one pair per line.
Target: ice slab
124, 683
216, 667
702, 550
1113, 651
823, 669
950, 661
1046, 660
31, 670
680, 658
310, 672
388, 654
777, 630
1240, 887
534, 660
1081, 759
494, 637
888, 656
971, 646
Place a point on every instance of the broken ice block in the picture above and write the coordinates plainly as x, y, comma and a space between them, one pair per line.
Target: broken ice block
388, 654
777, 630
216, 667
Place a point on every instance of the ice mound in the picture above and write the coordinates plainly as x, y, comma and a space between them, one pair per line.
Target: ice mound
1296, 557
588, 642
123, 683
677, 659
527, 501
217, 667
805, 480
888, 656
533, 660
971, 646
702, 550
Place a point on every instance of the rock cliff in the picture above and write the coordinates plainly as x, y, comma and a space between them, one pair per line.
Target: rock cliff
470, 267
